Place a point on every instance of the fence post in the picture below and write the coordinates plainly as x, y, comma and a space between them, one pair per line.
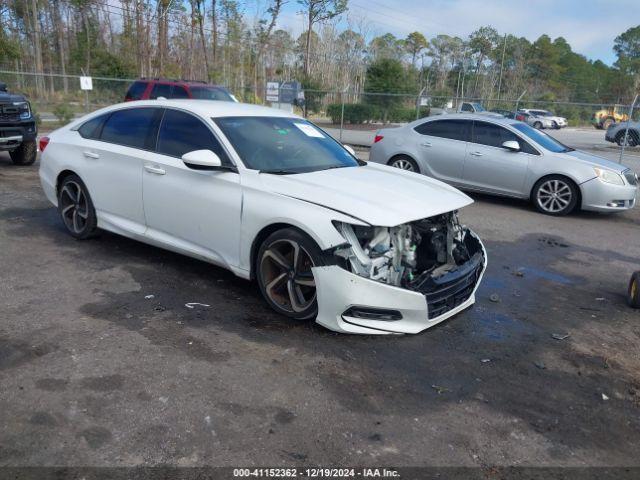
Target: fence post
418, 102
342, 111
626, 130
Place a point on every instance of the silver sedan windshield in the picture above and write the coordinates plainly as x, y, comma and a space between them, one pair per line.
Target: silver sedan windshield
541, 138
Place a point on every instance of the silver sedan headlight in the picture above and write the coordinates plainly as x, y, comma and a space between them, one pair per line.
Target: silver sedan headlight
609, 176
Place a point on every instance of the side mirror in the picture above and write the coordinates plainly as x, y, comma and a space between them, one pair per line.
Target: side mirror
201, 160
511, 145
350, 149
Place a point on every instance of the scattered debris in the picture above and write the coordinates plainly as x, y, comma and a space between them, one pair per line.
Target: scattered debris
604, 397
148, 297
494, 298
600, 299
560, 336
159, 308
540, 365
192, 305
485, 360
519, 273
164, 399
440, 389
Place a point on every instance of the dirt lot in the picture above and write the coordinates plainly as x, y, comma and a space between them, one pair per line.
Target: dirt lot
94, 373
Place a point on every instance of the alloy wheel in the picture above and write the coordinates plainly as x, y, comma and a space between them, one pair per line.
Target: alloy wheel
403, 164
554, 196
74, 207
286, 273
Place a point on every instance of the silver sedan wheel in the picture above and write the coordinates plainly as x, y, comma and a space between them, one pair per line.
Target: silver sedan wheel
403, 164
74, 207
285, 268
554, 196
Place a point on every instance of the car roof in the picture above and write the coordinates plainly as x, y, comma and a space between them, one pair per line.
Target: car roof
191, 83
497, 118
208, 108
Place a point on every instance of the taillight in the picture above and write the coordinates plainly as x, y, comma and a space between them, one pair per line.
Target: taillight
44, 141
377, 139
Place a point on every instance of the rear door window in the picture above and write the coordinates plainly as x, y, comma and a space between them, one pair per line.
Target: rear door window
179, 92
452, 129
132, 127
160, 90
136, 91
182, 132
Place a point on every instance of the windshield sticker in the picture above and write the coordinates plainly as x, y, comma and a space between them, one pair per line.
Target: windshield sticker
308, 130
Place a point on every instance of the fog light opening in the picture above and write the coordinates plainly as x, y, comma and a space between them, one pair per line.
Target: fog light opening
366, 313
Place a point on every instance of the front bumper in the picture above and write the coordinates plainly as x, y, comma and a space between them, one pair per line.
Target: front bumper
341, 292
13, 134
599, 196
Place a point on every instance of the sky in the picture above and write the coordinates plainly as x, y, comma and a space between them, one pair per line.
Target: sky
590, 26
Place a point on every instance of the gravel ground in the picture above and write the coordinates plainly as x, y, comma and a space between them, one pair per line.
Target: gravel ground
92, 372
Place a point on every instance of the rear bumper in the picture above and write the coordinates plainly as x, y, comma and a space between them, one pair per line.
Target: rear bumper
341, 294
15, 133
599, 196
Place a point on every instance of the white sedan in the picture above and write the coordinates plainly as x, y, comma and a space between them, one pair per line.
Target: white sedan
363, 248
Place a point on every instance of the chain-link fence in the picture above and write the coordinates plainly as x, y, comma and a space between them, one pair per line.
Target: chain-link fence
57, 99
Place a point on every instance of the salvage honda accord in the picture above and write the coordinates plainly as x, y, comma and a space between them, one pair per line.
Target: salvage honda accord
363, 248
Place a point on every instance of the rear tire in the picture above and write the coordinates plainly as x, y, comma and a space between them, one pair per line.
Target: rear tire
404, 162
283, 270
633, 296
537, 125
76, 208
25, 154
555, 195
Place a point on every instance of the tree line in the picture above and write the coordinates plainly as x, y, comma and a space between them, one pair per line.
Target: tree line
237, 43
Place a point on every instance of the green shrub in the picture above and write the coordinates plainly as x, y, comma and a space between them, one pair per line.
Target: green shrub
354, 113
64, 113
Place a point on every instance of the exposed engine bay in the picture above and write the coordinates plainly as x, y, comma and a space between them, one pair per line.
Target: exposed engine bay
413, 255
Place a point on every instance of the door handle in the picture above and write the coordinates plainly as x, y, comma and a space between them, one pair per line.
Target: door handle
156, 170
426, 144
90, 154
476, 154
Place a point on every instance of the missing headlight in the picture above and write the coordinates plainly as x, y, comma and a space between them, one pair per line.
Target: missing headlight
409, 255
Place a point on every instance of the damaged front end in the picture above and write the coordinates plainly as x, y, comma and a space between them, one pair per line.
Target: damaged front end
435, 257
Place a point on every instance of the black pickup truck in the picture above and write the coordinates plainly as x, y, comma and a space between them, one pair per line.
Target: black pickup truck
18, 129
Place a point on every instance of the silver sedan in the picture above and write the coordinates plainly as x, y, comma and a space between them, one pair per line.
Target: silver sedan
510, 158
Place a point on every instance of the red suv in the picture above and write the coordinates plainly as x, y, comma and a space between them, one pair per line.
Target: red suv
152, 88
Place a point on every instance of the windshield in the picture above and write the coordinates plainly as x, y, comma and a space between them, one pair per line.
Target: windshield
478, 107
210, 93
283, 145
542, 139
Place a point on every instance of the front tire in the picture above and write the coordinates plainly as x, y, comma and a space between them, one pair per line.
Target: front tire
76, 208
606, 123
631, 139
633, 297
283, 270
537, 125
403, 162
25, 154
555, 195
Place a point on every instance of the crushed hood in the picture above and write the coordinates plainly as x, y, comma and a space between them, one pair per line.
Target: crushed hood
376, 194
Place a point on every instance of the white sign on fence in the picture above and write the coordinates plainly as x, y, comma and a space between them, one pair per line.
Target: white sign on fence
86, 83
273, 92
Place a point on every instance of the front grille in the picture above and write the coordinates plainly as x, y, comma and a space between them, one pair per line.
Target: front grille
455, 288
9, 117
631, 177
